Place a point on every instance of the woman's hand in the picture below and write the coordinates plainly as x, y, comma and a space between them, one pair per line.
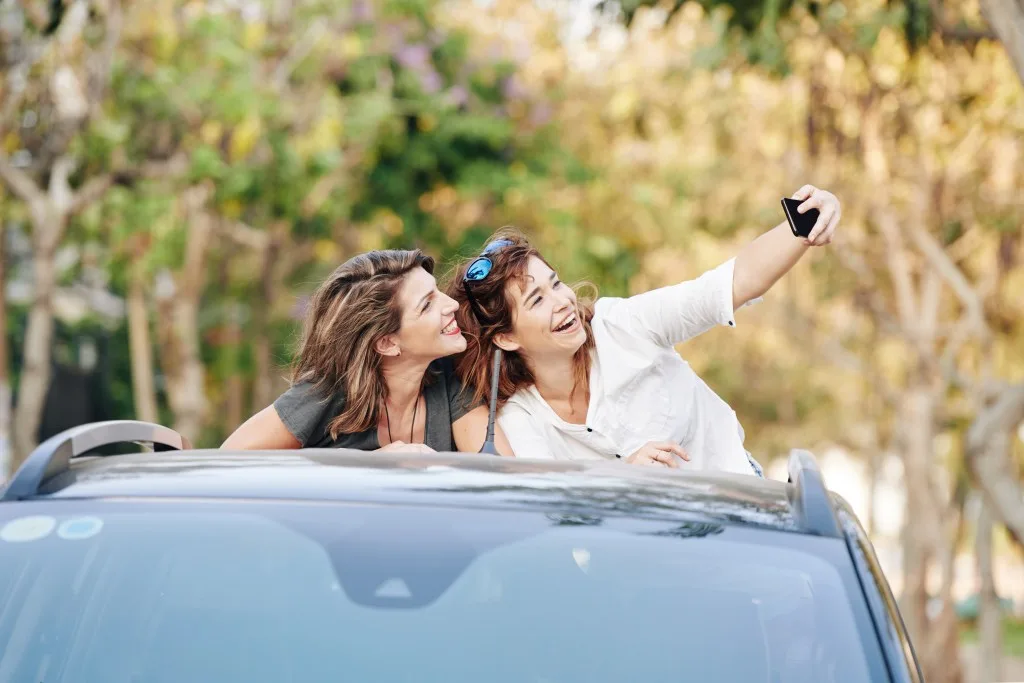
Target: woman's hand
829, 212
658, 453
403, 447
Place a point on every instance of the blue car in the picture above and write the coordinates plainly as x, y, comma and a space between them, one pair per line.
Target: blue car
174, 565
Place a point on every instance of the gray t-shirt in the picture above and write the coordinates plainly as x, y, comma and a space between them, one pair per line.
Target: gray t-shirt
307, 414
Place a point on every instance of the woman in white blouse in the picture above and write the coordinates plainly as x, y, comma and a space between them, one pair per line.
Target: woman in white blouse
586, 380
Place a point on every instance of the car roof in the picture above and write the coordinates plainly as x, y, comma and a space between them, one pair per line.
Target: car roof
588, 489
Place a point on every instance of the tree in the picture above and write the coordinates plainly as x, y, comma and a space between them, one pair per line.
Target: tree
59, 80
921, 21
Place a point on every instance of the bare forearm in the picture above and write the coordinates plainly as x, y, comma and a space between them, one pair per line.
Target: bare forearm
760, 264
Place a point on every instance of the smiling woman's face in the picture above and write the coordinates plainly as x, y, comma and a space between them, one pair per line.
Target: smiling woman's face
545, 318
429, 330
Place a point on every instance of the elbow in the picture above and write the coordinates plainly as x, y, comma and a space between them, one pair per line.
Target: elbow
744, 291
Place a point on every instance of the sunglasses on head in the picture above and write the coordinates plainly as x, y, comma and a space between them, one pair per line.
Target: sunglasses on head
478, 270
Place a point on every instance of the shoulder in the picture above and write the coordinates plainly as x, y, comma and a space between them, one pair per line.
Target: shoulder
516, 419
304, 393
606, 310
306, 408
525, 404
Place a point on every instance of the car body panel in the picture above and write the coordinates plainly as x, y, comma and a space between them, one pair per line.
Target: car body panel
444, 479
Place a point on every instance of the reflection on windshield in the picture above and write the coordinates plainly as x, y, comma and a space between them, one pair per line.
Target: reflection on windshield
268, 593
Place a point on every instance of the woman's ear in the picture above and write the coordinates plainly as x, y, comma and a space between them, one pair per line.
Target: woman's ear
506, 342
387, 346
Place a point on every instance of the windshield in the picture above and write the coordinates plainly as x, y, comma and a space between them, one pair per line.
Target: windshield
120, 592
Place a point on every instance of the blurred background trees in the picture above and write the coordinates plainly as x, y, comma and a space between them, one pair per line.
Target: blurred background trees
178, 175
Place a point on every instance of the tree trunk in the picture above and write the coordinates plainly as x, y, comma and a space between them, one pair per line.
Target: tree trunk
875, 457
234, 386
5, 378
918, 425
179, 306
35, 374
140, 348
263, 385
1006, 17
990, 622
942, 661
182, 365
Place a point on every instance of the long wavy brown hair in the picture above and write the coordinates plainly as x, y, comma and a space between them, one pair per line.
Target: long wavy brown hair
497, 304
354, 308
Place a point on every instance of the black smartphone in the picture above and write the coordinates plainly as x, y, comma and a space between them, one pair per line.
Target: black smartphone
800, 223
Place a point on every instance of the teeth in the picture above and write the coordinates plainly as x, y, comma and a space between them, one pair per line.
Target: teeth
450, 327
567, 324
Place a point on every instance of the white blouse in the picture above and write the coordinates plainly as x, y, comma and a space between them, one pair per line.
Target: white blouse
640, 389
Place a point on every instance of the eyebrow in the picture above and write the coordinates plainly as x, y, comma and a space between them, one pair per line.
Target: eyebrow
534, 291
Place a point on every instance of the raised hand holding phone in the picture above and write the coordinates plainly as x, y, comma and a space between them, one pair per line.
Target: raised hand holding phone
813, 214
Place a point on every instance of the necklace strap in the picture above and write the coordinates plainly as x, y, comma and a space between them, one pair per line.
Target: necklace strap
412, 429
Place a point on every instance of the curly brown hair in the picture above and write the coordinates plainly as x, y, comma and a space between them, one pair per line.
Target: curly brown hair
496, 304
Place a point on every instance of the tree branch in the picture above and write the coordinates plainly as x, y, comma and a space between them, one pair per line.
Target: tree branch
244, 235
954, 277
299, 51
1006, 17
101, 68
898, 265
199, 224
35, 14
988, 457
19, 182
94, 188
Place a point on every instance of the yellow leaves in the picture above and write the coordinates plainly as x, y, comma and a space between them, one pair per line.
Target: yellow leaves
11, 143
602, 246
166, 40
849, 122
441, 199
244, 137
890, 58
515, 198
231, 208
254, 34
623, 104
928, 120
387, 222
773, 144
210, 132
834, 61
370, 240
426, 122
326, 251
326, 134
351, 46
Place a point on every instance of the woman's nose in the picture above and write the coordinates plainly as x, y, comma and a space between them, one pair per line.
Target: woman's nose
562, 300
449, 305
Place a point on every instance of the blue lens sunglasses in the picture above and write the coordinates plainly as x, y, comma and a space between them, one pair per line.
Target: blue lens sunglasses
478, 270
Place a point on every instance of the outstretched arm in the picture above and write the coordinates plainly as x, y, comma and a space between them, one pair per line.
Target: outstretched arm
263, 431
671, 315
760, 264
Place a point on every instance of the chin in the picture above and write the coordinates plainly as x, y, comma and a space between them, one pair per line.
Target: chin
579, 339
455, 345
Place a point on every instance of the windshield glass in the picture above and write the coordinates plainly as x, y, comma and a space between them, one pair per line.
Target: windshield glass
121, 592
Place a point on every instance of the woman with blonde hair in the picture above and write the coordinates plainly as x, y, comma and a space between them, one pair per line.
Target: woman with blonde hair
373, 370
